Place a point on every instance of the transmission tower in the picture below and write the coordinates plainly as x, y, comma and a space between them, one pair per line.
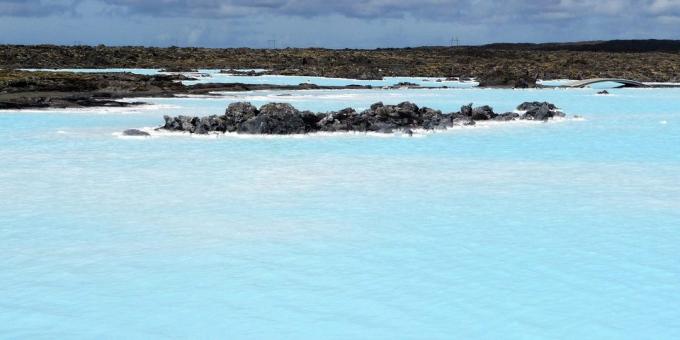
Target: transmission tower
454, 40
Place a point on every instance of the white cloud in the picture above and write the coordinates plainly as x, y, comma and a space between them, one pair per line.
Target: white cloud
339, 23
664, 7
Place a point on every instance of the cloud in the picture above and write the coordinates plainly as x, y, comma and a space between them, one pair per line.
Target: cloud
424, 9
432, 10
23, 8
334, 23
665, 8
365, 9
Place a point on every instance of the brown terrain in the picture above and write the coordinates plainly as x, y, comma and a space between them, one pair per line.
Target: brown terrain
497, 65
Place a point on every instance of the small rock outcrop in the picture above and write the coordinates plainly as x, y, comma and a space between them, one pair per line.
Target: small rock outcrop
284, 119
539, 111
135, 133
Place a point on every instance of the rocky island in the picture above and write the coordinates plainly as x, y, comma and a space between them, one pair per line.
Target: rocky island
284, 119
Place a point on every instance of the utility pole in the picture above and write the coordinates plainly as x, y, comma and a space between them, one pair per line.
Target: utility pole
455, 40
272, 43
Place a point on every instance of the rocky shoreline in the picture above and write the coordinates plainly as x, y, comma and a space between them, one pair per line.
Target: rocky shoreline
495, 66
284, 119
239, 87
23, 89
28, 90
498, 65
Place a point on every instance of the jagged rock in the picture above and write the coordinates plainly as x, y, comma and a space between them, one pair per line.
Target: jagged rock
276, 119
433, 119
466, 110
311, 120
280, 118
407, 108
241, 110
507, 116
539, 113
376, 106
483, 113
528, 106
209, 124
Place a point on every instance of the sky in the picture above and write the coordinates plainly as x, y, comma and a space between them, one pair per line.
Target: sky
332, 23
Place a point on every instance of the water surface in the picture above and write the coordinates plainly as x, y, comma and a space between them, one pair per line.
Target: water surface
560, 230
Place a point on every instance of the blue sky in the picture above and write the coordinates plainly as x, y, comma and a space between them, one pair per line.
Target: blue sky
334, 24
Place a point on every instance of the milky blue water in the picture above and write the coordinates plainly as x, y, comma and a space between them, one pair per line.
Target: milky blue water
560, 230
204, 76
214, 76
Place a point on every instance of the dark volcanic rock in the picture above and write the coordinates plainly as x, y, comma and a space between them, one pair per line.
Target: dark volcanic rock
209, 124
513, 65
539, 111
403, 84
275, 119
176, 69
135, 133
282, 119
23, 89
505, 77
434, 119
483, 113
238, 113
60, 101
180, 123
311, 120
466, 110
241, 110
249, 73
507, 116
527, 106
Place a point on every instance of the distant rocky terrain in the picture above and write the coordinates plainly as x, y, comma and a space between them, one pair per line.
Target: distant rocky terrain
510, 65
22, 89
496, 65
25, 89
284, 119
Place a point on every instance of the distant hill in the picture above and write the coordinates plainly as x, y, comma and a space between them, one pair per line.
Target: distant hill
613, 46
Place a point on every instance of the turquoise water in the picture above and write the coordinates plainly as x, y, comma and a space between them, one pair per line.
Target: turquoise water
214, 76
561, 230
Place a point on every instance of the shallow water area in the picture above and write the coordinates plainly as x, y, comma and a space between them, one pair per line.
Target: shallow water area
203, 76
565, 229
